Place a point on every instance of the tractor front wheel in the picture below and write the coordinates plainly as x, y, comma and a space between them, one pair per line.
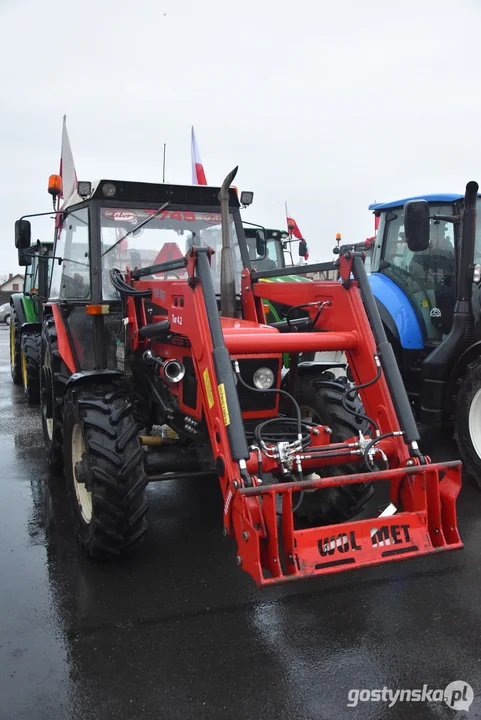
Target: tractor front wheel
30, 362
320, 398
103, 465
15, 348
467, 421
53, 376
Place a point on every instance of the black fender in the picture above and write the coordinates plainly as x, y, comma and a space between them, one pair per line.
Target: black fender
16, 301
80, 379
387, 319
470, 355
32, 327
305, 367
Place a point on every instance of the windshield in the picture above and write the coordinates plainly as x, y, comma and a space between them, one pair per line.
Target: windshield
166, 237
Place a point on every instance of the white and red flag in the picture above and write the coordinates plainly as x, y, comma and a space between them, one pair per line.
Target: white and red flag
67, 165
198, 174
293, 230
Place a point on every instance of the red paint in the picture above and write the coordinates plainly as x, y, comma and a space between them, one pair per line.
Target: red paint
62, 339
265, 342
199, 171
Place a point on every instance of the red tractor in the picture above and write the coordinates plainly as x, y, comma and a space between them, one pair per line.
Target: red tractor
155, 318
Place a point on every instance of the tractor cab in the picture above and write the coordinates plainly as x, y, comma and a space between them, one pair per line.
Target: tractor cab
266, 247
417, 289
426, 280
124, 231
271, 249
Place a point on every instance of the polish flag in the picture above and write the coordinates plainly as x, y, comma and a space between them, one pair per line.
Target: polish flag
198, 174
376, 222
67, 165
293, 228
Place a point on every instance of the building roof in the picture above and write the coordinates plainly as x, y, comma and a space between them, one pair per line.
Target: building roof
17, 276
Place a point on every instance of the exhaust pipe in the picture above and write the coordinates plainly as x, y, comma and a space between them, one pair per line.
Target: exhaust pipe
227, 274
173, 370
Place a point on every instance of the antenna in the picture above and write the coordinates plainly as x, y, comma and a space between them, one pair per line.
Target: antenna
163, 164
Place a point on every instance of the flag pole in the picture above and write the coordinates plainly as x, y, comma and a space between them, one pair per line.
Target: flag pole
64, 121
163, 164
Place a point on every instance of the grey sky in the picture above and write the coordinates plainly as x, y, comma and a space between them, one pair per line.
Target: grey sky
328, 105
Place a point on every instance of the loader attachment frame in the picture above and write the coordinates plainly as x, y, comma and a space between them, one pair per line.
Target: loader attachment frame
271, 549
427, 525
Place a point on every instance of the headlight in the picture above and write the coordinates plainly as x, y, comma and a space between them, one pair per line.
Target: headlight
109, 190
263, 378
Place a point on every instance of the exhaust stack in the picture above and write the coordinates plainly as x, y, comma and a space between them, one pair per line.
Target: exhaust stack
227, 276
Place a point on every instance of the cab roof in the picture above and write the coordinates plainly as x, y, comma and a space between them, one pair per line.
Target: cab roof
156, 193
439, 198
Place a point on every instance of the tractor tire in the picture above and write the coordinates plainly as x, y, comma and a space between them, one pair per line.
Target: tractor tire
15, 348
104, 470
53, 376
467, 421
323, 403
30, 360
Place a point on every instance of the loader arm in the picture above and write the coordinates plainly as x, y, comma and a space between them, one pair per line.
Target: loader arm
270, 547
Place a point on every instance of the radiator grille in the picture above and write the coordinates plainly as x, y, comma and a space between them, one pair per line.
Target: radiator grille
248, 399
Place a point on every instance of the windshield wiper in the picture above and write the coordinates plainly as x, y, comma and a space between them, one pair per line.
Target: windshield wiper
137, 227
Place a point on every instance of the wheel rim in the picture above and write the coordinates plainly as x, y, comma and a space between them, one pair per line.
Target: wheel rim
12, 345
24, 369
47, 394
309, 415
474, 422
84, 496
7, 319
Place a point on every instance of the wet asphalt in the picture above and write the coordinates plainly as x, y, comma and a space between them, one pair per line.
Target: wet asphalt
180, 632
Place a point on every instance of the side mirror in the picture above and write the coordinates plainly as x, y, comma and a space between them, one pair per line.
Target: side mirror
260, 244
23, 234
416, 225
302, 248
24, 260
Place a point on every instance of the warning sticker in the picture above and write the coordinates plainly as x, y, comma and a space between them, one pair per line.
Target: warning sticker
208, 389
223, 402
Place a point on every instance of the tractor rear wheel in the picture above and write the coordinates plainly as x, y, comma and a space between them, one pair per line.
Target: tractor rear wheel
104, 470
320, 399
30, 362
15, 348
53, 376
467, 429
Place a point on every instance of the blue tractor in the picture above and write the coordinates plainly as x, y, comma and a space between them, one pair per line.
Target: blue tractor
426, 278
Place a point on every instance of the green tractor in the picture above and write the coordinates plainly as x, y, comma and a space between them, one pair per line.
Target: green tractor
26, 318
271, 249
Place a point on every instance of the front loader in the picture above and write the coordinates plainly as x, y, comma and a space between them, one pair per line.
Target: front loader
156, 318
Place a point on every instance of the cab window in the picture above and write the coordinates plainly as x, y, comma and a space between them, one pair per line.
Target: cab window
71, 278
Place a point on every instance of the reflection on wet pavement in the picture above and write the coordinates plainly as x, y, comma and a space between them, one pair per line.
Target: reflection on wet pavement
179, 632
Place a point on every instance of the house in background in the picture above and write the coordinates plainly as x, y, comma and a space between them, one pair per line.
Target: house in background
13, 284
